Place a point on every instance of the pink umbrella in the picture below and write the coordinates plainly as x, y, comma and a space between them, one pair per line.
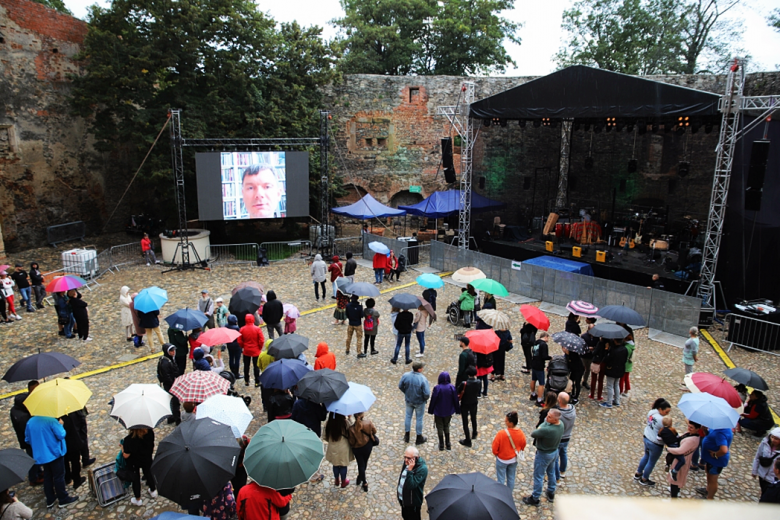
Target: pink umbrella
4, 267
582, 308
218, 336
65, 283
291, 311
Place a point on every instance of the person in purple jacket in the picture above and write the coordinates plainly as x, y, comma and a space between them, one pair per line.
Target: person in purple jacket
443, 405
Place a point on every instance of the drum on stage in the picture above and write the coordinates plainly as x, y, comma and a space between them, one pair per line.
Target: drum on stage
559, 229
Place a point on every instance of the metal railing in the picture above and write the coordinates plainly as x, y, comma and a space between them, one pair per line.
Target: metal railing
232, 253
127, 254
292, 250
753, 334
343, 245
65, 232
419, 254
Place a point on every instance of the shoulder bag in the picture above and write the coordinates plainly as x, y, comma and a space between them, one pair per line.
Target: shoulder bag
520, 454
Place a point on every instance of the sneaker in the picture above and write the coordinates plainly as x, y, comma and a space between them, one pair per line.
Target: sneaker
361, 356
605, 405
419, 355
345, 483
30, 310
87, 463
79, 482
532, 398
550, 496
137, 501
257, 385
702, 491
539, 404
694, 468
147, 265
88, 338
49, 506
68, 501
615, 403
563, 475
464, 442
574, 401
637, 476
153, 494
673, 474
646, 483
531, 501
394, 361
373, 352
408, 361
18, 318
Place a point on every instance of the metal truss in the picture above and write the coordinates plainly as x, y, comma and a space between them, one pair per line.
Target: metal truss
251, 143
324, 142
178, 175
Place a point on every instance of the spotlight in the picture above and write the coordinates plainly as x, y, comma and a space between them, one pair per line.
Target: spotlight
683, 121
632, 165
610, 121
545, 121
683, 168
486, 122
496, 121
589, 163
537, 123
521, 123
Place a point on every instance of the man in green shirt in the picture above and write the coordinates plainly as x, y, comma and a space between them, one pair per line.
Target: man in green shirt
548, 437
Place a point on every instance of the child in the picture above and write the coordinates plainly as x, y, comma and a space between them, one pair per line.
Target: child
290, 324
625, 381
466, 302
221, 313
443, 405
370, 326
669, 436
340, 314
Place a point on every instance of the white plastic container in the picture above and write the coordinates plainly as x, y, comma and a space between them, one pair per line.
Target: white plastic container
81, 262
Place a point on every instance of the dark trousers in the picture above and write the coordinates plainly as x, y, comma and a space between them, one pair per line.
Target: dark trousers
83, 326
317, 290
597, 383
484, 380
465, 411
674, 491
361, 457
576, 384
410, 513
253, 361
369, 339
527, 356
234, 359
36, 471
278, 327
181, 364
72, 464
443, 429
175, 406
148, 477
40, 294
54, 481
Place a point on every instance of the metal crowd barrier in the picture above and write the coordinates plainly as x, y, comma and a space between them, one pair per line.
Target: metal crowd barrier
127, 254
232, 253
417, 254
348, 244
291, 250
65, 232
753, 334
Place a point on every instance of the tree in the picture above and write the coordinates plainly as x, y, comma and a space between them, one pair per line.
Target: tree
774, 19
707, 34
458, 37
57, 5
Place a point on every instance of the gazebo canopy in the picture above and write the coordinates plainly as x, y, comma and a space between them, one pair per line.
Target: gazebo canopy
581, 92
444, 203
368, 207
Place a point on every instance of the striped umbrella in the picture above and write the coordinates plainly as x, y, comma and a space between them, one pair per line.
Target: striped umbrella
582, 308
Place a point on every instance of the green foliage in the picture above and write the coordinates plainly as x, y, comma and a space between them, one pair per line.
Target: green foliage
57, 5
398, 37
774, 19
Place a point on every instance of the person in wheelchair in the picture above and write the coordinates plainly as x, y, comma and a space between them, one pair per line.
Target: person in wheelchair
466, 302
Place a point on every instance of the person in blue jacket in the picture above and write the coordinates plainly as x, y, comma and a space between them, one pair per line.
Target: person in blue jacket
46, 436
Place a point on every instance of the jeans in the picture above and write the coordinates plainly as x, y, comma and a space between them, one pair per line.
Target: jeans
148, 477
26, 298
613, 390
484, 380
505, 473
54, 481
652, 452
419, 410
150, 257
340, 473
688, 368
317, 286
369, 339
378, 274
234, 358
40, 294
563, 459
421, 340
544, 463
407, 338
68, 328
275, 327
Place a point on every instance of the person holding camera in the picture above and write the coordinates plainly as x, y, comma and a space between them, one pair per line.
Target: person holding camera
411, 484
11, 508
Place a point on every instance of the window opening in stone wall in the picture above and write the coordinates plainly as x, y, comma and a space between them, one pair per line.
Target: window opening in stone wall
369, 142
381, 142
414, 94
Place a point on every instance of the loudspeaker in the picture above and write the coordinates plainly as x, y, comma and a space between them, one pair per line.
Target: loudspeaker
446, 153
482, 183
756, 172
449, 175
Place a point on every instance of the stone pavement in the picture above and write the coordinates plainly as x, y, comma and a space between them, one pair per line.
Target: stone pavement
604, 451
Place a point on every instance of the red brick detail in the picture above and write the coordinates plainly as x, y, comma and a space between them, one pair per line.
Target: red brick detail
46, 22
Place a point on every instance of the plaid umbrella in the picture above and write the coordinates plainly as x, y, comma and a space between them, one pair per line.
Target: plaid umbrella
196, 387
570, 342
496, 319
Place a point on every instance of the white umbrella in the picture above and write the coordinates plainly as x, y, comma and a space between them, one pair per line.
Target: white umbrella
227, 410
141, 406
467, 274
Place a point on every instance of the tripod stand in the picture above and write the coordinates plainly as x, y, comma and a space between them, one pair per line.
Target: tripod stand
187, 251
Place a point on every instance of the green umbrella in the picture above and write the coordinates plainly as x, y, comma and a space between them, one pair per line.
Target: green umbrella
490, 286
283, 454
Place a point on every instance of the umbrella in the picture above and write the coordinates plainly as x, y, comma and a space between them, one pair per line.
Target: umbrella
405, 301
473, 496
289, 346
535, 317
341, 284
150, 299
467, 275
744, 376
291, 311
430, 281
713, 385
242, 285
4, 267
362, 289
483, 341
187, 319
197, 386
65, 283
141, 406
622, 314
218, 336
569, 341
608, 331
40, 365
429, 308
490, 286
14, 465
708, 410
379, 247
496, 319
283, 454
245, 301
195, 461
58, 397
582, 308
357, 399
227, 410
283, 374
322, 386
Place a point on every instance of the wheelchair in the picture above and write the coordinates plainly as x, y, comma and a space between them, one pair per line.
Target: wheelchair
456, 316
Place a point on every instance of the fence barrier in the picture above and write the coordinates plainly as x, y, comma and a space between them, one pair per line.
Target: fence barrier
232, 253
292, 250
65, 232
754, 334
419, 254
343, 245
392, 243
127, 254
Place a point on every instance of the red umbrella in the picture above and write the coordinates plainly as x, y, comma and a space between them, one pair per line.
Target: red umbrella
713, 385
483, 341
198, 386
535, 317
218, 336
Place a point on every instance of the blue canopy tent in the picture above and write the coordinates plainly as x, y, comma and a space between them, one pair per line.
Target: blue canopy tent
368, 207
444, 203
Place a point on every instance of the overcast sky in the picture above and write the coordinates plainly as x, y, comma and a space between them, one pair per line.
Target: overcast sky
541, 33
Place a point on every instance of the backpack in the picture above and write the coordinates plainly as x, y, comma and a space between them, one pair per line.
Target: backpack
485, 360
370, 323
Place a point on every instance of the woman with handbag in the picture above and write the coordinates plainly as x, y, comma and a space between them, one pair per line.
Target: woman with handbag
508, 447
362, 439
339, 452
763, 463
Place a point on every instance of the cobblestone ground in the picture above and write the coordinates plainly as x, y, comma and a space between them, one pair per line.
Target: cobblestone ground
605, 448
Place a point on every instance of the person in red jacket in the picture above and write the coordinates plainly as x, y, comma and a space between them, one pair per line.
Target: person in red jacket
336, 270
251, 341
324, 357
256, 502
380, 262
148, 250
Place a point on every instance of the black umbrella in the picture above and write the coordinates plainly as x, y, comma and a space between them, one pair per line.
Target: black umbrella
245, 301
322, 386
288, 346
40, 365
473, 496
14, 465
195, 461
747, 378
608, 331
405, 301
622, 314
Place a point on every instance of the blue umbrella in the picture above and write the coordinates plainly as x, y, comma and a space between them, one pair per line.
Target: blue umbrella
187, 319
361, 289
283, 374
708, 410
357, 399
150, 299
405, 301
379, 247
431, 281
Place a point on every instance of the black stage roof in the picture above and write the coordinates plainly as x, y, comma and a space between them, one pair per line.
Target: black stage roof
587, 93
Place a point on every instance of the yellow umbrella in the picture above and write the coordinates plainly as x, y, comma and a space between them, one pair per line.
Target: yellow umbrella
58, 397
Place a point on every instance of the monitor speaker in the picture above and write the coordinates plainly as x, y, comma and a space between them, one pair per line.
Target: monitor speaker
756, 172
446, 153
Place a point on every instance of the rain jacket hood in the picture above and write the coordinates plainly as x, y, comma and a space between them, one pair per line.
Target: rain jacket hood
444, 378
322, 349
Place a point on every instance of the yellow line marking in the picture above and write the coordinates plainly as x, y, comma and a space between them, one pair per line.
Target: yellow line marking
158, 354
729, 363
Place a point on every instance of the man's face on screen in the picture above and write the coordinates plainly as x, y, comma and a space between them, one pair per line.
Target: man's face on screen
262, 194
